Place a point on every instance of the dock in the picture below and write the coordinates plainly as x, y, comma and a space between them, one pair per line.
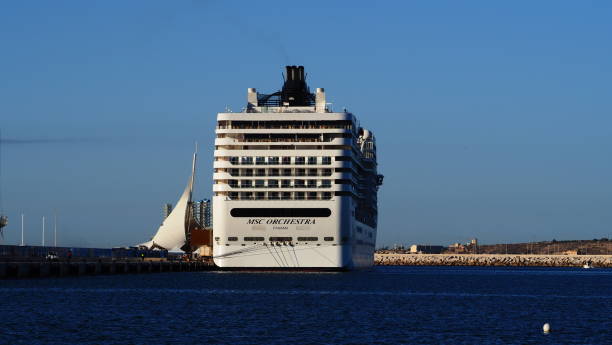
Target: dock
42, 269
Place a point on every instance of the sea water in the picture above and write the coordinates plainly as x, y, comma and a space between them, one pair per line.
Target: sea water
384, 305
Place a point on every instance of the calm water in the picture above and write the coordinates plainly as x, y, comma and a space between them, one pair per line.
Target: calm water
388, 305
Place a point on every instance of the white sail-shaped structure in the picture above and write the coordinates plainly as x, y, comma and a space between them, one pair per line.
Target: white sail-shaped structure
172, 233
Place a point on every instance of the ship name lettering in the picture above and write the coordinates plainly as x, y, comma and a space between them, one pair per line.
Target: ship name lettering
282, 221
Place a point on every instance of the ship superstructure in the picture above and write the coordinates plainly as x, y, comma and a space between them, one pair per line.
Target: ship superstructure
295, 184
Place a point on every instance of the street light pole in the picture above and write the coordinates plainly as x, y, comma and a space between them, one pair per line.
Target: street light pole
22, 244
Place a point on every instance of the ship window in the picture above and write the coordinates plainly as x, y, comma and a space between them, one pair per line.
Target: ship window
286, 183
286, 172
281, 212
300, 172
260, 195
232, 238
312, 183
247, 160
312, 160
327, 195
217, 238
327, 172
312, 172
326, 183
300, 160
253, 239
259, 183
281, 239
261, 172
260, 160
343, 158
273, 183
233, 195
286, 196
307, 239
286, 160
299, 196
312, 195
246, 195
328, 238
246, 183
299, 183
234, 160
326, 160
248, 172
273, 195
272, 160
234, 172
274, 172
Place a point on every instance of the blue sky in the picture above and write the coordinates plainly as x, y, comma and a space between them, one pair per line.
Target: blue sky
493, 119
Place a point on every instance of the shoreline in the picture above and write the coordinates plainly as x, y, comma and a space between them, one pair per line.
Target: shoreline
511, 260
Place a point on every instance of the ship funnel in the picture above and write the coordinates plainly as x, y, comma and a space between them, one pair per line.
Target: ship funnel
295, 91
294, 73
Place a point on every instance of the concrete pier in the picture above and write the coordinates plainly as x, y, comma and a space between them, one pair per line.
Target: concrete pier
492, 260
23, 270
44, 269
38, 269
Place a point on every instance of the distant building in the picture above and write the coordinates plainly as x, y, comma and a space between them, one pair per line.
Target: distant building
472, 246
456, 248
202, 212
426, 249
166, 209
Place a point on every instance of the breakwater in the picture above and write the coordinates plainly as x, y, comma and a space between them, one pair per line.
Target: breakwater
492, 260
28, 269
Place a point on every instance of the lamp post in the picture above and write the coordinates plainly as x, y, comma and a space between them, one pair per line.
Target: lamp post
22, 244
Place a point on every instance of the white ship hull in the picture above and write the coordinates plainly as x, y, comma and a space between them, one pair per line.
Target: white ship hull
341, 241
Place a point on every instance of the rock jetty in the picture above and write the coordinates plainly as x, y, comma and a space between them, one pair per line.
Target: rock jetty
492, 260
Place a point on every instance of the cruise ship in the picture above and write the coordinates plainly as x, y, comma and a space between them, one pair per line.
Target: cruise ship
295, 183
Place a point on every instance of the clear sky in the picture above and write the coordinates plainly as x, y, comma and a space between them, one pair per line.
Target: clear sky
493, 119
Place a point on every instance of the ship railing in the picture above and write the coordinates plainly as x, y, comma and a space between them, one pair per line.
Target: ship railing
280, 175
280, 186
283, 127
279, 197
235, 162
286, 140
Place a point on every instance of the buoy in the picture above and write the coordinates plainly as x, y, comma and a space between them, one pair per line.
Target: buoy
546, 328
